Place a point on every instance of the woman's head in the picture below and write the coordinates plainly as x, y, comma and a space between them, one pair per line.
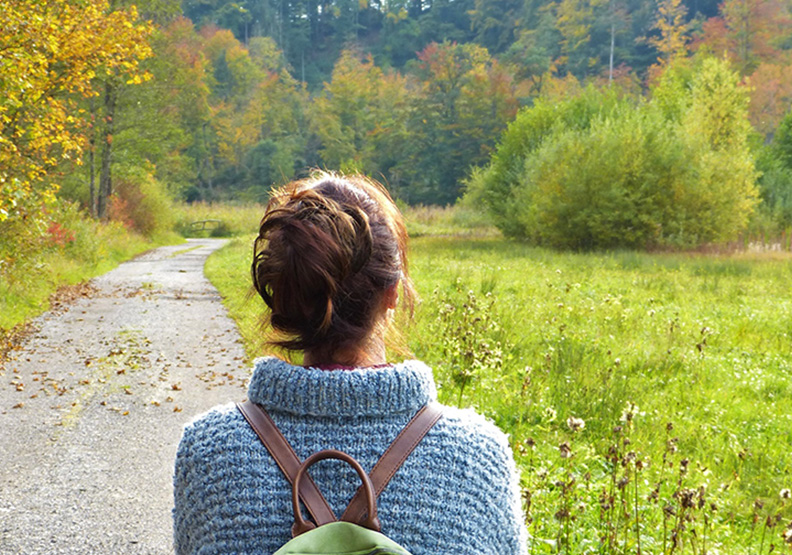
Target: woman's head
329, 256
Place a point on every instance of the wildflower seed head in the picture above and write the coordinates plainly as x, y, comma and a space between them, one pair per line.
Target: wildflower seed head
628, 458
654, 496
687, 498
629, 412
565, 449
575, 424
785, 493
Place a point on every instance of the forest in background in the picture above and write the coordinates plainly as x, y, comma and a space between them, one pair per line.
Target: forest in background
124, 106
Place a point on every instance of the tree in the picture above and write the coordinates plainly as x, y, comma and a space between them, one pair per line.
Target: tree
255, 133
156, 124
462, 105
360, 118
574, 19
771, 95
751, 31
346, 113
672, 42
51, 53
496, 22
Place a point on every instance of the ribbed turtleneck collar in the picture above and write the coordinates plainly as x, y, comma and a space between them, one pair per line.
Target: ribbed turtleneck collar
403, 387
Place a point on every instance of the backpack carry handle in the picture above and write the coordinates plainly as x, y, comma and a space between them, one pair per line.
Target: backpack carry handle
300, 525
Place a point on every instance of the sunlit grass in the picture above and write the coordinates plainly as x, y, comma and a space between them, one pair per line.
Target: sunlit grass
689, 357
33, 265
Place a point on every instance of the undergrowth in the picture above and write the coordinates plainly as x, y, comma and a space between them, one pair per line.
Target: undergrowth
63, 248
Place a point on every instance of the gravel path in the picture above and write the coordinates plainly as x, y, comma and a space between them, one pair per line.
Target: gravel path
92, 406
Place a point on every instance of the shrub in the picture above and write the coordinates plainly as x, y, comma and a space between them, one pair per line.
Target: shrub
599, 171
142, 205
495, 186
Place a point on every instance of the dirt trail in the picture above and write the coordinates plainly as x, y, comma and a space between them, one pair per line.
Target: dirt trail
92, 406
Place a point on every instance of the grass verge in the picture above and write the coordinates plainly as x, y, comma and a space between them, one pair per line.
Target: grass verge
35, 263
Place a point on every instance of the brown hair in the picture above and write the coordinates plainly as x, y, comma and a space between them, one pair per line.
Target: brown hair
328, 249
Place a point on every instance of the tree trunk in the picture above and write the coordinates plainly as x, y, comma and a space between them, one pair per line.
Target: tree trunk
612, 45
105, 175
92, 158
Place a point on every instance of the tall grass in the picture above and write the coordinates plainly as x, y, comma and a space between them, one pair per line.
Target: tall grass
648, 398
457, 220
65, 248
202, 219
696, 350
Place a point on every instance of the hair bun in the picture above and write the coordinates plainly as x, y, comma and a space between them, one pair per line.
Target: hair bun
326, 253
361, 252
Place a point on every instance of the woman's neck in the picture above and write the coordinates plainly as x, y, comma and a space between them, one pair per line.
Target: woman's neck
372, 353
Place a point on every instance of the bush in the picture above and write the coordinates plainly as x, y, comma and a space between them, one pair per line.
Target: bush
61, 246
495, 186
599, 171
142, 205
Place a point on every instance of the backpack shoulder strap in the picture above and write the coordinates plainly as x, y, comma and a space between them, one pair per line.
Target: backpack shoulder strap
287, 460
394, 456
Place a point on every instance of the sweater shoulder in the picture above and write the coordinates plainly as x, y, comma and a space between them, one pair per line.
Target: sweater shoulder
478, 431
212, 429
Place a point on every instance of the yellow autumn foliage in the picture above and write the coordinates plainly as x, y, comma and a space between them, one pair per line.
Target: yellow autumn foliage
50, 53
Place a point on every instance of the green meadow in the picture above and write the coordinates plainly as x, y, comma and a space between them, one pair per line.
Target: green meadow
648, 397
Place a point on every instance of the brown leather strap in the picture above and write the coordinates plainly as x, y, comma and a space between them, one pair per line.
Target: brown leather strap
287, 460
392, 459
371, 522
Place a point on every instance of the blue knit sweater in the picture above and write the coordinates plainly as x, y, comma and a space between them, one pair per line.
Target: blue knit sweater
457, 493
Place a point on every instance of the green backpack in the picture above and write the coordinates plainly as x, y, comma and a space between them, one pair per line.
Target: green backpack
358, 530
